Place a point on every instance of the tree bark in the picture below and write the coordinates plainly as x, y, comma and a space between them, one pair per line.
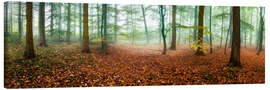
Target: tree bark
199, 51
85, 29
42, 39
161, 11
173, 43
104, 27
29, 49
235, 50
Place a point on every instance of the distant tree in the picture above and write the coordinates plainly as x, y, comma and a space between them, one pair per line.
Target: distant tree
42, 39
261, 31
210, 28
6, 18
115, 22
68, 24
199, 51
222, 27
161, 12
235, 50
195, 23
85, 29
80, 22
29, 49
104, 27
145, 25
20, 20
228, 31
52, 19
59, 21
173, 44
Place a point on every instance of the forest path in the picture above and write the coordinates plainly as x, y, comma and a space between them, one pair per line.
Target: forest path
63, 65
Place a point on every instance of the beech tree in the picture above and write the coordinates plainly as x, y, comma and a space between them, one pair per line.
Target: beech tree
235, 50
29, 47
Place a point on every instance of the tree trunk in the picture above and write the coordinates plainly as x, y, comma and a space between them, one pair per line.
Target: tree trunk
261, 31
235, 50
29, 49
98, 22
59, 23
199, 51
115, 23
173, 43
52, 18
20, 21
11, 18
42, 39
222, 27
250, 33
228, 32
195, 23
104, 27
161, 11
85, 29
210, 28
6, 18
145, 25
80, 22
68, 25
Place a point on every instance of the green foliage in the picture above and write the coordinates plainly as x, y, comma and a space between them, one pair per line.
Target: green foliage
246, 25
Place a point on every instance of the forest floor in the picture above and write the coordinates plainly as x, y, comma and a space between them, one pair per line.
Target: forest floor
62, 65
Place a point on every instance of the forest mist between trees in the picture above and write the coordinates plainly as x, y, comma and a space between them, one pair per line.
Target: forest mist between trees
80, 44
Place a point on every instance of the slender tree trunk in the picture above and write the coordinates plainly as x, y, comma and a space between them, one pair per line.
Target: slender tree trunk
228, 32
222, 27
6, 18
85, 29
195, 23
173, 44
210, 28
145, 25
250, 32
74, 23
115, 23
98, 22
29, 49
52, 18
80, 22
261, 31
199, 51
161, 11
235, 50
11, 18
179, 32
68, 24
20, 21
104, 27
42, 39
59, 23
